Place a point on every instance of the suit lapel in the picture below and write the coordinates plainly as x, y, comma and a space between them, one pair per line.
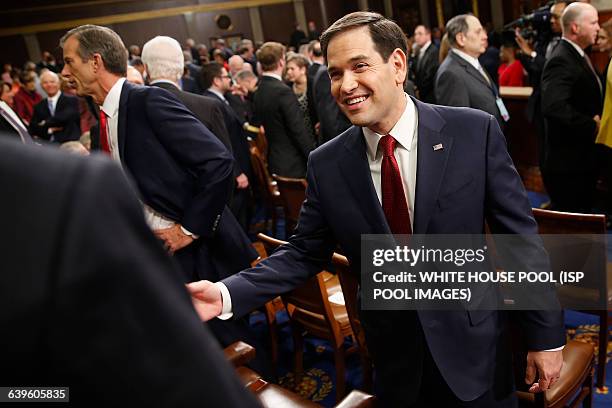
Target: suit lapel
60, 102
583, 63
471, 70
122, 122
431, 164
356, 171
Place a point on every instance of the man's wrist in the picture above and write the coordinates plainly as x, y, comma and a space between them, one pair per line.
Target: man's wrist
226, 300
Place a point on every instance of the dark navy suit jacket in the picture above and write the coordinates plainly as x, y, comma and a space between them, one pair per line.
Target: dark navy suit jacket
183, 172
67, 116
470, 180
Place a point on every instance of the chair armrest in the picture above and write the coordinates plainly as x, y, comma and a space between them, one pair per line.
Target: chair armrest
239, 353
357, 399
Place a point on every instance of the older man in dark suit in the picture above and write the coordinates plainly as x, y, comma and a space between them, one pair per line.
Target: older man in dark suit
89, 299
404, 167
277, 109
163, 59
461, 80
56, 118
572, 103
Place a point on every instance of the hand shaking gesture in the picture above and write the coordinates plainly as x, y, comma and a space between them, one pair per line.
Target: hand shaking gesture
206, 299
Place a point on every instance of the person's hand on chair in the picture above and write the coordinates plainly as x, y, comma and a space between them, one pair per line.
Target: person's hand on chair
545, 367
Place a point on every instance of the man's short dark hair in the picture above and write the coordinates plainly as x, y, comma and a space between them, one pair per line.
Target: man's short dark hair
456, 25
386, 34
425, 26
210, 71
95, 39
269, 55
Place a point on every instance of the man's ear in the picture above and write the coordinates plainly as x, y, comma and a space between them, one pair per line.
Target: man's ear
97, 62
460, 39
400, 66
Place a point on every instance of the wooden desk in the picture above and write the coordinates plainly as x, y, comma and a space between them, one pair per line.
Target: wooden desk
521, 136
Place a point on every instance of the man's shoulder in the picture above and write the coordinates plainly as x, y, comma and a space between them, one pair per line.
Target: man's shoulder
138, 94
330, 149
450, 63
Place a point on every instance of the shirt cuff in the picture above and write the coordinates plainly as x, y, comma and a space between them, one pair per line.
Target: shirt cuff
226, 309
187, 232
556, 349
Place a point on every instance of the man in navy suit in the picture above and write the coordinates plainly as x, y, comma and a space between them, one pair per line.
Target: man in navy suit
57, 117
183, 173
450, 171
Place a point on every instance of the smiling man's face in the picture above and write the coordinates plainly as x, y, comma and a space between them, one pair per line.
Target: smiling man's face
367, 89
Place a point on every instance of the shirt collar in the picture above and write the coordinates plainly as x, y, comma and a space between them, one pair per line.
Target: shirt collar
219, 94
424, 47
164, 81
471, 60
55, 98
272, 75
402, 131
576, 46
111, 102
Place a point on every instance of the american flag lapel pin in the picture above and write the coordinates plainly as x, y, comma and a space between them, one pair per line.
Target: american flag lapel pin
438, 147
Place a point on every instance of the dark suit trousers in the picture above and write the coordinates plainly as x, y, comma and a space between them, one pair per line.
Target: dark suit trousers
407, 376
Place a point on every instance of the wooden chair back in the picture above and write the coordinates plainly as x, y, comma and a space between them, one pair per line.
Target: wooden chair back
292, 195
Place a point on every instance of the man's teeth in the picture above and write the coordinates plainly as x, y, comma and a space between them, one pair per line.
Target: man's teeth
356, 100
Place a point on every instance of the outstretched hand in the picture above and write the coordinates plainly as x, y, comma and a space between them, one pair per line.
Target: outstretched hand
547, 366
206, 299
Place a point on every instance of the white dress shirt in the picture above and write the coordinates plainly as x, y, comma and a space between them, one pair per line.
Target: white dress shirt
405, 132
53, 100
471, 60
423, 49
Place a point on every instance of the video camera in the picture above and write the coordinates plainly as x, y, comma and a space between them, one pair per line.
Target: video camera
534, 26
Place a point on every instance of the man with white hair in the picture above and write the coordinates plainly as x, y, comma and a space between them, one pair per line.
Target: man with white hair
236, 64
57, 117
164, 61
572, 104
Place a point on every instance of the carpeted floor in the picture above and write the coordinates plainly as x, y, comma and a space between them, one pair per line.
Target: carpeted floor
318, 380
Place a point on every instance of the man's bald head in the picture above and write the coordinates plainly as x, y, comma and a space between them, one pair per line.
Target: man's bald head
580, 24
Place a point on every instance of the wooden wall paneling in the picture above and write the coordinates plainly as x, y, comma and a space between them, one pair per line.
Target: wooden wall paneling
13, 50
139, 32
337, 9
206, 27
278, 22
49, 41
377, 6
313, 13
407, 14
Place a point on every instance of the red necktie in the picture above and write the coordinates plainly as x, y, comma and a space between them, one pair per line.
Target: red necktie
104, 145
393, 197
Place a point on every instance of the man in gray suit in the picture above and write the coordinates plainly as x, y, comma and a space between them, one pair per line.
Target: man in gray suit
461, 80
